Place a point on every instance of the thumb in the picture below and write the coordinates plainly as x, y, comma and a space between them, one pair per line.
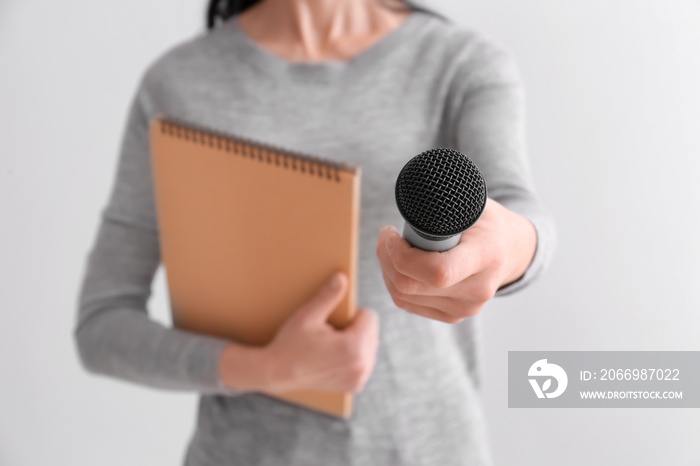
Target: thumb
387, 232
321, 306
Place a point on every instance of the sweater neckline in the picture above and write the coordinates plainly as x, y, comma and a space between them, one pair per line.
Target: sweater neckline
324, 68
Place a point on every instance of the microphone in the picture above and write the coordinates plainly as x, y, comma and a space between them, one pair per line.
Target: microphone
440, 193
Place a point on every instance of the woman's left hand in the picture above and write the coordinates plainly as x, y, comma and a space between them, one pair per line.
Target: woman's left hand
452, 285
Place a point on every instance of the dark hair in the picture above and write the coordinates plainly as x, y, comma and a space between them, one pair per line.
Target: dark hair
221, 10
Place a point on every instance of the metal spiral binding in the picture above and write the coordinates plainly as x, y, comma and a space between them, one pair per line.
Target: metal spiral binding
265, 153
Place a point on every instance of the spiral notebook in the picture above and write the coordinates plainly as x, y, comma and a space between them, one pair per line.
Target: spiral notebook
250, 232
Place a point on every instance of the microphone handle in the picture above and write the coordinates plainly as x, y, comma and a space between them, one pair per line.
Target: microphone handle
416, 240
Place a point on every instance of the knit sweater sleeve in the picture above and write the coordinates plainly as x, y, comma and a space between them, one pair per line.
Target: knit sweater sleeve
114, 334
490, 128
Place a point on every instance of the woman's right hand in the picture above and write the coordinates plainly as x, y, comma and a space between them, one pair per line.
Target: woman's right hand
308, 352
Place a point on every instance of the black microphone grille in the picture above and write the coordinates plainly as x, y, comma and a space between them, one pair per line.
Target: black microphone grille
440, 192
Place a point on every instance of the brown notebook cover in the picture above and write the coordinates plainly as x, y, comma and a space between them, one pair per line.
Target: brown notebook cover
249, 233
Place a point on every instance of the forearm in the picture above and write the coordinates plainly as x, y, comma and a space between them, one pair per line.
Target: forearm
522, 245
114, 334
536, 241
124, 343
244, 368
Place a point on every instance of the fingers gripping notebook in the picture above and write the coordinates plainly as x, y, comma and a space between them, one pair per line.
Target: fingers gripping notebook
249, 233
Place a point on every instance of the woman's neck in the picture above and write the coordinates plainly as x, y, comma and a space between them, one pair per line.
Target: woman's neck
317, 30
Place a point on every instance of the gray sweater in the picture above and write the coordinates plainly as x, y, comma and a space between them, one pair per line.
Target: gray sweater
427, 84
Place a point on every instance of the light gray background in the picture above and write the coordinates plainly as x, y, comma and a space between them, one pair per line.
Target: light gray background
614, 134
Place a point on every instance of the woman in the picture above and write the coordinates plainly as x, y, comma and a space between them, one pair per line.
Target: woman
367, 82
